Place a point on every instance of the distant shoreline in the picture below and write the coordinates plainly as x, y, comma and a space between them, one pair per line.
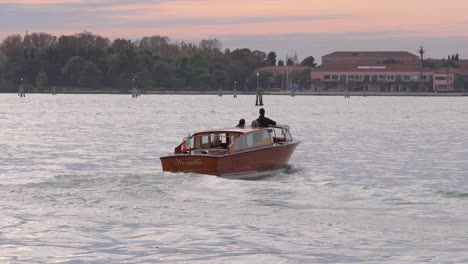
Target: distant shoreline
230, 93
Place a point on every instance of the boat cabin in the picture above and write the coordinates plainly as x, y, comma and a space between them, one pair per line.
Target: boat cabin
230, 141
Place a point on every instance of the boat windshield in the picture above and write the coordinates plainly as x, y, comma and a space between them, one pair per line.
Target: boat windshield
253, 139
281, 134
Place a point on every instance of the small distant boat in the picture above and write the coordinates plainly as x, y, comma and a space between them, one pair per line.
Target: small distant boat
237, 153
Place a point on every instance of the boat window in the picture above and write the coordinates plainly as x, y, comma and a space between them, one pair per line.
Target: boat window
205, 142
287, 135
262, 137
219, 140
196, 142
250, 140
232, 138
215, 140
238, 144
201, 142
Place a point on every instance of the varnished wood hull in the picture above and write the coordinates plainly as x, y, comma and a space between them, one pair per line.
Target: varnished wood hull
259, 162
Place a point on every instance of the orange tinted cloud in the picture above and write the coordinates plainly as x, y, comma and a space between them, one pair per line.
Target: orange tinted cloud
438, 19
45, 2
192, 20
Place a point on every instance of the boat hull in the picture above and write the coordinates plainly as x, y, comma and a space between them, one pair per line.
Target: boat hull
247, 164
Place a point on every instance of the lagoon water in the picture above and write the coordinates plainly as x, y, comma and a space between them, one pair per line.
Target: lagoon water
375, 180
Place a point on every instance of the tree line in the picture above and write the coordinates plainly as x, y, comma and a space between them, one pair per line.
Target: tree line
91, 62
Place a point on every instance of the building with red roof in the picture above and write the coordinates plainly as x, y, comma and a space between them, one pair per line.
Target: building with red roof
383, 71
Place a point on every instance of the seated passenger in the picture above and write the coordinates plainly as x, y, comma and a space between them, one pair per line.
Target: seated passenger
215, 141
241, 123
254, 124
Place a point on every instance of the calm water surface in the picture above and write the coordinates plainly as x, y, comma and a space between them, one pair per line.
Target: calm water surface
375, 180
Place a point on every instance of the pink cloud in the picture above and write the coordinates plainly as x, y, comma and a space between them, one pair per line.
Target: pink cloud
45, 2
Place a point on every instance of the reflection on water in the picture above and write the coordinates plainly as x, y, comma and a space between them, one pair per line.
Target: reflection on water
375, 179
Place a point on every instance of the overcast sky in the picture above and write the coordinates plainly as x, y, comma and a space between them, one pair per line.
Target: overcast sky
308, 27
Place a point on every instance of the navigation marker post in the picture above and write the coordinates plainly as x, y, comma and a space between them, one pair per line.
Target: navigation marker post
258, 99
235, 89
21, 88
135, 91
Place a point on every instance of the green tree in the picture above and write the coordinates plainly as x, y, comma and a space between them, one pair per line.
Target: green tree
89, 60
84, 73
212, 46
162, 74
67, 47
41, 80
119, 45
309, 61
12, 46
3, 66
42, 41
302, 78
271, 59
158, 45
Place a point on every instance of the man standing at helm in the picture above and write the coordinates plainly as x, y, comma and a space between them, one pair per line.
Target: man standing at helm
264, 121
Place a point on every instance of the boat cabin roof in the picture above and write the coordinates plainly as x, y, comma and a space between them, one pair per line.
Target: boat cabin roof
239, 130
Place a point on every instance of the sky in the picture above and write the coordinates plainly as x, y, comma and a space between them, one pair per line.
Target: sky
306, 27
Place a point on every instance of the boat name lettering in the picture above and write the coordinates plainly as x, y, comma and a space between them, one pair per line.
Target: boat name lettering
183, 162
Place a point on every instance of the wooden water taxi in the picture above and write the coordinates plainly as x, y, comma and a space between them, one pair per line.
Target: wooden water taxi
249, 152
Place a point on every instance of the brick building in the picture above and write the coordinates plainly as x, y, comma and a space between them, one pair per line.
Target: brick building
387, 71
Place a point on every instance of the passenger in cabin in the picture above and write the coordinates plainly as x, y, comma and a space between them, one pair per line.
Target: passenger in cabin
254, 124
241, 123
264, 121
215, 141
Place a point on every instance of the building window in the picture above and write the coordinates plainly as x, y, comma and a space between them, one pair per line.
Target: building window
350, 77
335, 77
326, 77
374, 78
406, 77
342, 78
399, 78
440, 78
381, 77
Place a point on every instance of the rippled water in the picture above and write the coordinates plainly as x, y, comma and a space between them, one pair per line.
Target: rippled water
375, 180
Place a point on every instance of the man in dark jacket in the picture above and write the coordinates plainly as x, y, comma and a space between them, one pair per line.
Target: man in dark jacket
264, 121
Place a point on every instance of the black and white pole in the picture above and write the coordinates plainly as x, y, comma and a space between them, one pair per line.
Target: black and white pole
134, 89
260, 95
346, 90
21, 89
256, 98
235, 89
